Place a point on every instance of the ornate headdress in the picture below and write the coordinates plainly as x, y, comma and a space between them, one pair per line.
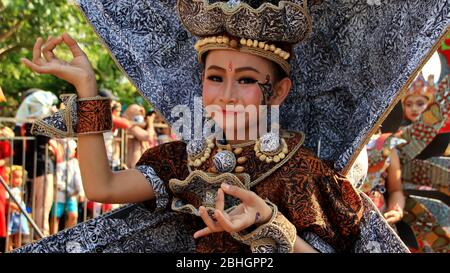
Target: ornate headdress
263, 28
420, 87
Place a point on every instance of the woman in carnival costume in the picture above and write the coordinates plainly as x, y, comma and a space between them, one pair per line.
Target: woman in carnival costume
214, 194
426, 179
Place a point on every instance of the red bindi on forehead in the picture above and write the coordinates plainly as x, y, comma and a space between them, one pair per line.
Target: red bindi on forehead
230, 67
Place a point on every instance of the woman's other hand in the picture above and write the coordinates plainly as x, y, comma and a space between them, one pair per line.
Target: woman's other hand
394, 215
78, 71
252, 210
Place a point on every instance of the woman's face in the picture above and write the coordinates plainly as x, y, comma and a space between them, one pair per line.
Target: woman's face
230, 88
415, 105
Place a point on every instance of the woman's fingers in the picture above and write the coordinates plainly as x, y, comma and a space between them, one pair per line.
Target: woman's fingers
208, 221
237, 211
47, 50
390, 213
35, 67
392, 216
37, 51
244, 195
73, 45
203, 232
237, 225
220, 200
48, 55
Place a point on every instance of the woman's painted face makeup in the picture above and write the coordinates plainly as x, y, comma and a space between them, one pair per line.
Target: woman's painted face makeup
231, 87
415, 105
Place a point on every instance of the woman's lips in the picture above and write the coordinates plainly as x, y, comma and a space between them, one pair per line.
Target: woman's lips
225, 112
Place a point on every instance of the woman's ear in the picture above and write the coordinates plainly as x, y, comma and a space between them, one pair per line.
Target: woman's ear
280, 92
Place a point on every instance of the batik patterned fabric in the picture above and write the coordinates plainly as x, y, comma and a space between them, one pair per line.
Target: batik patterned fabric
352, 68
426, 173
431, 237
307, 192
131, 229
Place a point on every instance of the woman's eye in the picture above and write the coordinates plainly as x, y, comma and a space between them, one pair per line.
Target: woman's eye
247, 81
420, 104
215, 78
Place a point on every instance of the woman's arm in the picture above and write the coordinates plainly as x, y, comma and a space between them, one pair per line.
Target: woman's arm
396, 199
103, 185
139, 133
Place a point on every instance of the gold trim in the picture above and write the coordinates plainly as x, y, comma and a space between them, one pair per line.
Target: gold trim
402, 92
93, 98
281, 163
211, 179
40, 127
234, 146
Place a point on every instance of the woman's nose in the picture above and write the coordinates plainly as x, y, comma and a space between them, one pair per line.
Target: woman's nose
228, 95
415, 108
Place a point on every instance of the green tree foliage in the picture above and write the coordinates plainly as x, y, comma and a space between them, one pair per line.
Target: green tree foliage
22, 22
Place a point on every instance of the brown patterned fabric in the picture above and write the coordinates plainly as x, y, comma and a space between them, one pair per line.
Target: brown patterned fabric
94, 116
306, 191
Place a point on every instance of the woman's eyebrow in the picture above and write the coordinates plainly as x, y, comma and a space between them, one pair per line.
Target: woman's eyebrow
237, 70
216, 67
245, 68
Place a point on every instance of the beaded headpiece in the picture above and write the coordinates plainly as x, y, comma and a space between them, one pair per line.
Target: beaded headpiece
263, 28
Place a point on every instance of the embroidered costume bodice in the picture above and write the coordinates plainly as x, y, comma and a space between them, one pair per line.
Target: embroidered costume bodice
309, 193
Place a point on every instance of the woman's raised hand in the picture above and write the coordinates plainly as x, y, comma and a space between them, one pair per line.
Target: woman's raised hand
78, 71
252, 210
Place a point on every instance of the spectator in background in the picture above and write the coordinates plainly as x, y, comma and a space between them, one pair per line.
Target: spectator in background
150, 127
18, 224
113, 147
36, 104
138, 137
69, 184
5, 154
163, 130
